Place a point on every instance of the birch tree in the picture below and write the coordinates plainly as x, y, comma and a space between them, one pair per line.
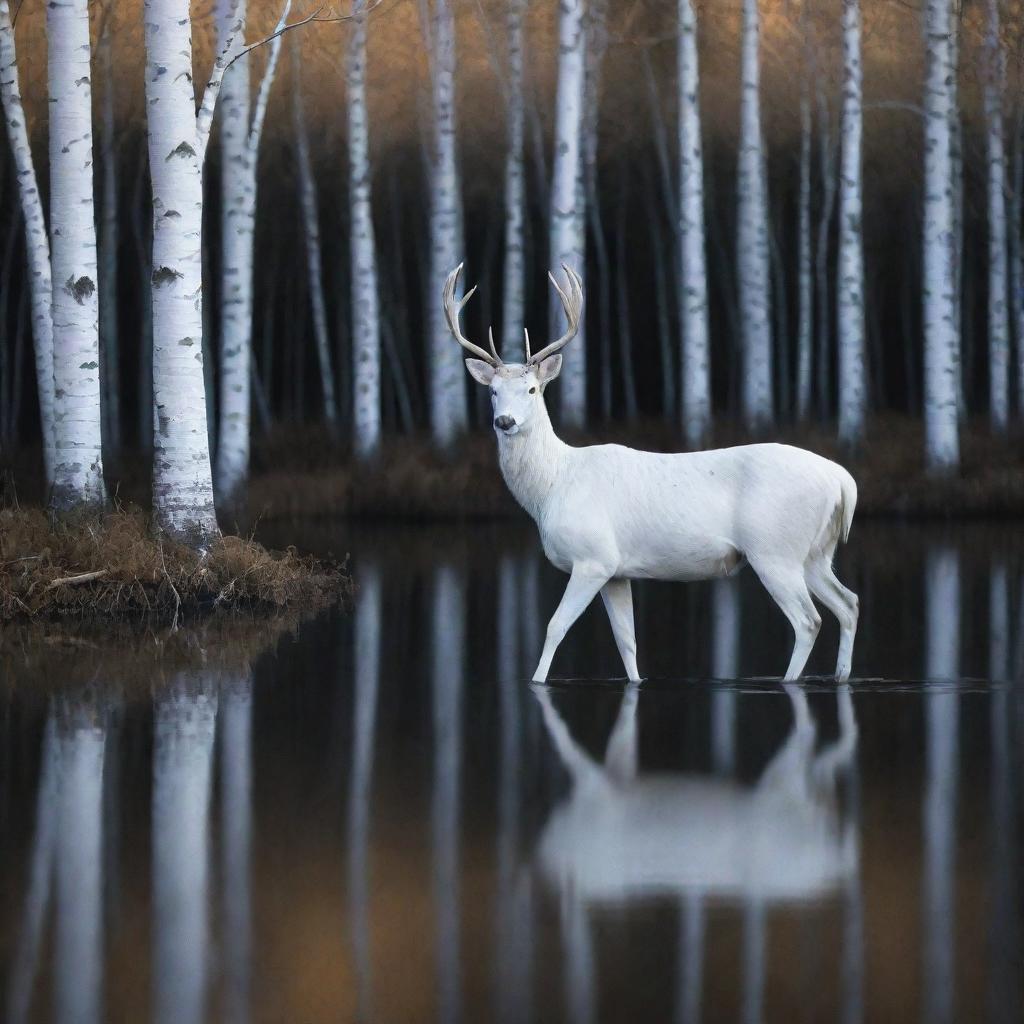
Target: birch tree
941, 330
37, 242
850, 285
78, 460
568, 239
998, 313
514, 268
314, 260
447, 376
240, 142
365, 297
182, 478
752, 242
693, 313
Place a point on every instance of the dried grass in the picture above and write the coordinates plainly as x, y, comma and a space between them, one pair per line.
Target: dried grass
410, 479
116, 565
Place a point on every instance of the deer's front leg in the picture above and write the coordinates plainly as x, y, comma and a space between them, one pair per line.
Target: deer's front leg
618, 602
584, 584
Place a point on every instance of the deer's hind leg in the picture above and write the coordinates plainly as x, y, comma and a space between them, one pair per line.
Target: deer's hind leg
841, 602
785, 582
584, 584
618, 602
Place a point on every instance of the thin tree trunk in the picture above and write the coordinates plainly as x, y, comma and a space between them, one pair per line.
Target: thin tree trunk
37, 242
108, 242
314, 261
568, 239
780, 306
365, 297
752, 236
182, 479
447, 387
1017, 255
828, 178
240, 143
956, 238
78, 463
661, 302
622, 301
941, 335
693, 292
805, 282
850, 283
238, 221
514, 268
998, 315
596, 44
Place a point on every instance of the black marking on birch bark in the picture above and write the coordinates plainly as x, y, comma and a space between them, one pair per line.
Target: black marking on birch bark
88, 366
182, 149
81, 289
165, 275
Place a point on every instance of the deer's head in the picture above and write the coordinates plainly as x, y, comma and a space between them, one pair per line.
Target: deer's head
517, 389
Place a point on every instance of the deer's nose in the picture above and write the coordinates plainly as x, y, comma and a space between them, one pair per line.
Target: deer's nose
504, 422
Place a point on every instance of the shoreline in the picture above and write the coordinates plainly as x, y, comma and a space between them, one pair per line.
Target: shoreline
114, 567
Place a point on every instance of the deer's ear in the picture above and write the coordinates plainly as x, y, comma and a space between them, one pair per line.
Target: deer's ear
549, 369
481, 372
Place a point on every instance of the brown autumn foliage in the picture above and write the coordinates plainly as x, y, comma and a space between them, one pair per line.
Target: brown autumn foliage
116, 565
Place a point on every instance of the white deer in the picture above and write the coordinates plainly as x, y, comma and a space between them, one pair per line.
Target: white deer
609, 514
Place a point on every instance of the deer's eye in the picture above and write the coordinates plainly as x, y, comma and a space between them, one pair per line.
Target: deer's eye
533, 391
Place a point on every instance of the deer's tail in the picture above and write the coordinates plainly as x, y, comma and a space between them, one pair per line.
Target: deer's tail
847, 503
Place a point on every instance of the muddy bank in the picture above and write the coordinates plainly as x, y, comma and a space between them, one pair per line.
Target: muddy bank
116, 566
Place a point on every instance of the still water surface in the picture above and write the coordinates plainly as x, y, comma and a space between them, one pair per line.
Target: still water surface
382, 821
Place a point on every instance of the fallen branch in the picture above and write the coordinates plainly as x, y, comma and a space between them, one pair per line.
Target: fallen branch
82, 577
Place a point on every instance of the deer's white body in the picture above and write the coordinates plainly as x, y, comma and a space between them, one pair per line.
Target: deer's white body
609, 514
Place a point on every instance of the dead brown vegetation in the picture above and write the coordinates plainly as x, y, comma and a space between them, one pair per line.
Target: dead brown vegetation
115, 565
411, 479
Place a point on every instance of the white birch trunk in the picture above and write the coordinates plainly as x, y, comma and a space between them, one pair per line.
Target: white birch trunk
182, 479
184, 727
78, 459
37, 242
850, 286
998, 313
752, 236
314, 260
568, 239
447, 376
238, 229
365, 297
693, 314
941, 331
515, 192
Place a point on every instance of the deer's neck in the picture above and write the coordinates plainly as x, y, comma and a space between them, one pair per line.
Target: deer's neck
531, 463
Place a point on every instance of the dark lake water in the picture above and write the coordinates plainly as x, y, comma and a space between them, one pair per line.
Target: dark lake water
382, 820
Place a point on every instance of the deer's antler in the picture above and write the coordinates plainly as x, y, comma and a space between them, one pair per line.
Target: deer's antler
452, 309
572, 303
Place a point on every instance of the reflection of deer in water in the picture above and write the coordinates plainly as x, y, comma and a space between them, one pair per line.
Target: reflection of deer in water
623, 834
